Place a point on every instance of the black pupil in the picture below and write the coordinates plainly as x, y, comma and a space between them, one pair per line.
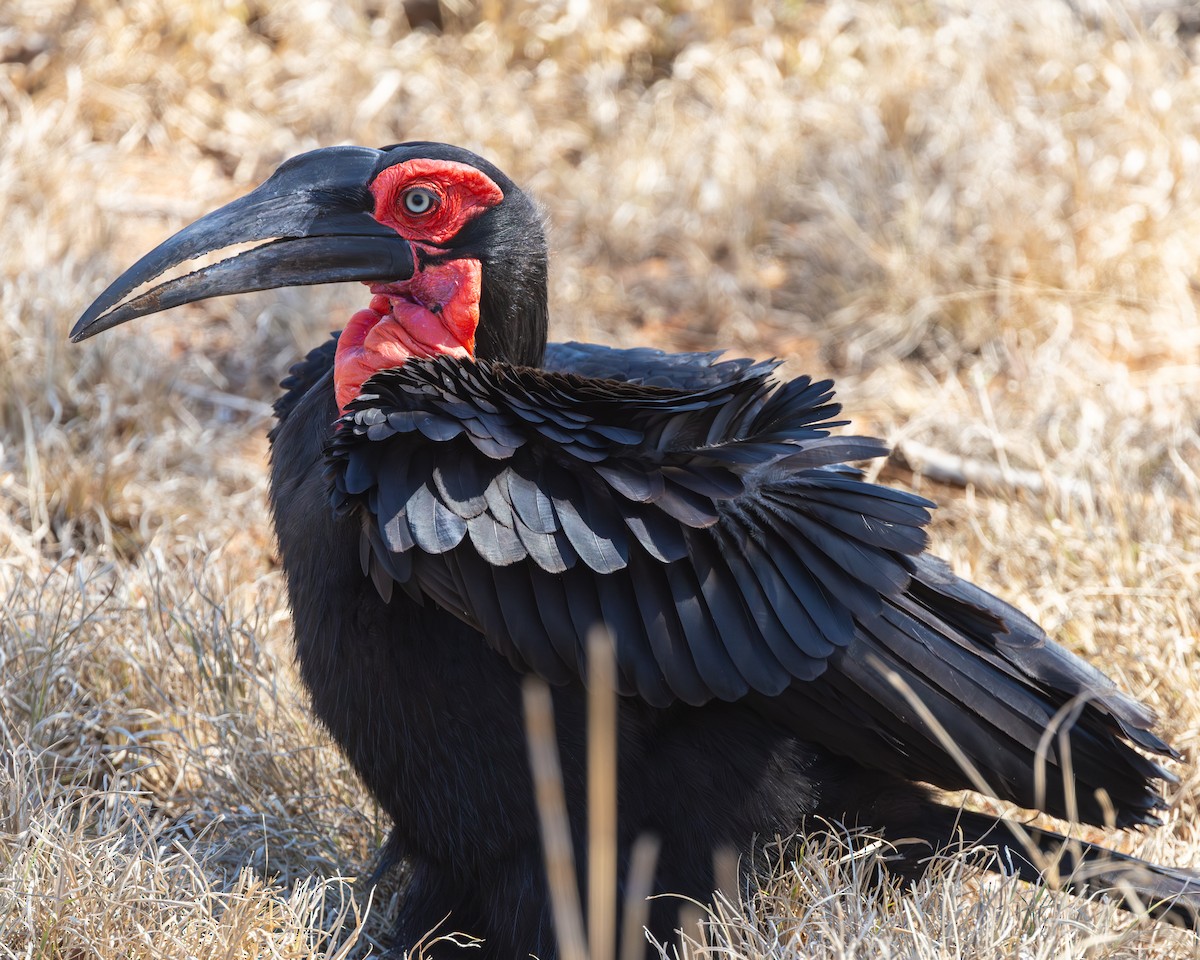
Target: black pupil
418, 201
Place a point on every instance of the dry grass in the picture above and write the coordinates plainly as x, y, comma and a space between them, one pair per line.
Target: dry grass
983, 217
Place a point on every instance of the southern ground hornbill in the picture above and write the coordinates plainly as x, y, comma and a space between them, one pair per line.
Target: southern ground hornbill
459, 504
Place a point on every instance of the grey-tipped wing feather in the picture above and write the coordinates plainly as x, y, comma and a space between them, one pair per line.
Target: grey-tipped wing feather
659, 509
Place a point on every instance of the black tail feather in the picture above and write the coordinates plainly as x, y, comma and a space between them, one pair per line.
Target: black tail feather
1042, 856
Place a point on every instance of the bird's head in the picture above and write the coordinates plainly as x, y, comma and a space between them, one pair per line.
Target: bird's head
453, 252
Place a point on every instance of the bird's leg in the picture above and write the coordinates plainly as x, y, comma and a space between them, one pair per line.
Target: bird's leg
500, 911
429, 913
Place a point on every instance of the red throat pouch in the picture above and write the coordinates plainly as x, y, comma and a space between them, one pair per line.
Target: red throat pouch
434, 314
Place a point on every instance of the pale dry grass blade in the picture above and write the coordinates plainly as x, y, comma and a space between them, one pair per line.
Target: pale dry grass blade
639, 885
602, 798
603, 889
983, 218
555, 824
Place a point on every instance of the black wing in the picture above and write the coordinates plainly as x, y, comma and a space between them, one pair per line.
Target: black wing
704, 514
705, 528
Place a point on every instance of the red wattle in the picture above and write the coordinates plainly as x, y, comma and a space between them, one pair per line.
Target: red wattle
433, 314
351, 364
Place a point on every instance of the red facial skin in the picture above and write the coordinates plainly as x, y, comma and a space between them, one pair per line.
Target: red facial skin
437, 311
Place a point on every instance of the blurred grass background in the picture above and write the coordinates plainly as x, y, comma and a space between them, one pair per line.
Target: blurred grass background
982, 218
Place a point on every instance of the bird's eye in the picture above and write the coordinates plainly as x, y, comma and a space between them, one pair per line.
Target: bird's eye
419, 201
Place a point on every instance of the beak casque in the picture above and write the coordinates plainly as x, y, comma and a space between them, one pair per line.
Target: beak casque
315, 213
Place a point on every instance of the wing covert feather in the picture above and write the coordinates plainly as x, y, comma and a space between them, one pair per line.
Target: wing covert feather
626, 489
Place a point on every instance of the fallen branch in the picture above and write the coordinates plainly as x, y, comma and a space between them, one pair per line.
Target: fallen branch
960, 471
227, 401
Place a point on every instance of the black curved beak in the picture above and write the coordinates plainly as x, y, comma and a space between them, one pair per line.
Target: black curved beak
315, 213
